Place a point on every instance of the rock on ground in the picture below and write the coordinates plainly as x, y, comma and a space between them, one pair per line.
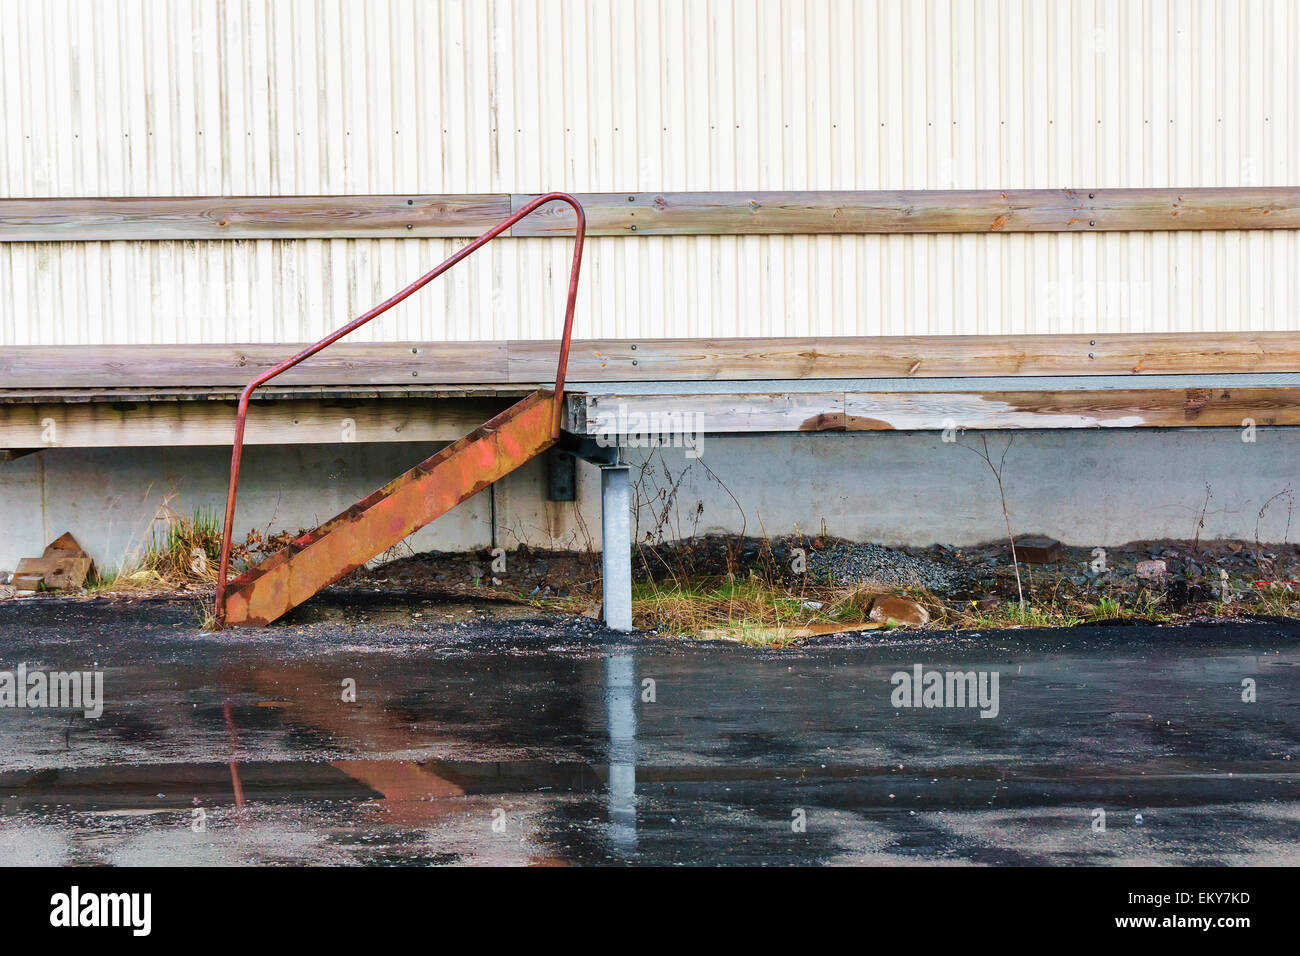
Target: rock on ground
900, 610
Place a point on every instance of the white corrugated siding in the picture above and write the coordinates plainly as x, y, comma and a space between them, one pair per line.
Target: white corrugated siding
201, 98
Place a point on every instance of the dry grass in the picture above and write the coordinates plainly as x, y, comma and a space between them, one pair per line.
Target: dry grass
1013, 614
749, 609
753, 612
1278, 599
185, 548
179, 551
757, 609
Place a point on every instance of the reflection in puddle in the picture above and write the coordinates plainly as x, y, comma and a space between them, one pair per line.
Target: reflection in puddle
620, 711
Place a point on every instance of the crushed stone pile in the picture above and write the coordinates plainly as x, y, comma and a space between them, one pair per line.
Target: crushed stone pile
848, 564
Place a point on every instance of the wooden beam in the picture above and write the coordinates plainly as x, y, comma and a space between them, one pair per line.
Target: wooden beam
124, 425
934, 411
918, 211
923, 356
72, 396
250, 217
652, 214
1113, 408
609, 360
707, 412
32, 426
345, 363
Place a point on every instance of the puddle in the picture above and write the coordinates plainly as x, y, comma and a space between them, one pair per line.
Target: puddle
358, 740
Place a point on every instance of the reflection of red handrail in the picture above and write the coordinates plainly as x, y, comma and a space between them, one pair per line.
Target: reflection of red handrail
242, 415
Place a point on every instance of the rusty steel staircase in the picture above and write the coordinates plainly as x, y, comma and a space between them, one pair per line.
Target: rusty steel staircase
379, 521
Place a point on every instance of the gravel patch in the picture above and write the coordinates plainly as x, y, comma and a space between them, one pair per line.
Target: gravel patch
848, 564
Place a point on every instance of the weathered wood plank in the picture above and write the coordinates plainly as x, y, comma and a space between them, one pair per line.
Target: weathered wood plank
250, 217
690, 414
125, 425
1116, 408
360, 363
918, 211
617, 414
592, 360
928, 356
267, 393
652, 214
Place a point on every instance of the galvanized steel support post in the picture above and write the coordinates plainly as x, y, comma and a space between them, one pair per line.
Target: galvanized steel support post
616, 545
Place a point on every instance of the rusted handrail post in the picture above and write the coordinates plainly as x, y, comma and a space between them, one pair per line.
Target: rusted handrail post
241, 415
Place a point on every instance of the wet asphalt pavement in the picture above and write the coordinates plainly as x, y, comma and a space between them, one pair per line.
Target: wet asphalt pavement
555, 742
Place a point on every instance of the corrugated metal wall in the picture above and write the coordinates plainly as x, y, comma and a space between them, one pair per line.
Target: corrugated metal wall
255, 97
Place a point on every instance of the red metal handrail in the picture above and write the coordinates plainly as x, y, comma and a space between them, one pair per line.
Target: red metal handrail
242, 415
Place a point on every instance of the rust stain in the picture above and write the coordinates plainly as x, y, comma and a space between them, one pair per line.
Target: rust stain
860, 423
824, 422
1140, 364
1072, 220
998, 223
1196, 402
555, 517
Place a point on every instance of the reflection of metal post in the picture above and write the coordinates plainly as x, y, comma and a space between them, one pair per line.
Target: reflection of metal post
620, 715
233, 735
616, 545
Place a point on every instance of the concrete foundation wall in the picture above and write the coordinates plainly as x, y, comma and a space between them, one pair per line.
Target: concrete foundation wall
1085, 487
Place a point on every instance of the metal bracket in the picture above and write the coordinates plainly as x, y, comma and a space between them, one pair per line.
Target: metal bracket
586, 448
561, 475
